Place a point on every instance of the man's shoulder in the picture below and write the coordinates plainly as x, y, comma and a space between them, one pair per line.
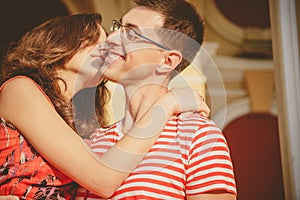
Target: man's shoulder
195, 118
193, 122
109, 129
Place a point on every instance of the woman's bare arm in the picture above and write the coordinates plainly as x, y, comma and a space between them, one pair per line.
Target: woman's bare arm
25, 106
213, 196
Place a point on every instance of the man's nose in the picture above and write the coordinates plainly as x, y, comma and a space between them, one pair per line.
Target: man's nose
114, 39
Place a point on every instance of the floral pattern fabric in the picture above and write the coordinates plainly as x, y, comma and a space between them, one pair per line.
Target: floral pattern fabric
25, 173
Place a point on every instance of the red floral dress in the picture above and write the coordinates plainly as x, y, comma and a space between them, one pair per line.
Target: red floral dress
25, 173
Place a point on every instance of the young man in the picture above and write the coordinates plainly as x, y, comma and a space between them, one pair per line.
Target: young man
190, 159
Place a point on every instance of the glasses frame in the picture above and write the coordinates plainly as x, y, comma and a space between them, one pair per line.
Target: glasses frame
117, 25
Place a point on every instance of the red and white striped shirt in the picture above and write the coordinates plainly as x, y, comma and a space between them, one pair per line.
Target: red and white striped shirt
190, 157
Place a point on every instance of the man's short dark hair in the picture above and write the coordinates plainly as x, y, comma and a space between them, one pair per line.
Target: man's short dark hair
179, 16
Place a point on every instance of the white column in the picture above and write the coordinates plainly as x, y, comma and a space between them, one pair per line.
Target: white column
287, 82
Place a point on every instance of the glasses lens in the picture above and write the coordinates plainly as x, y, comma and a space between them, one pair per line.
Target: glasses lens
115, 25
131, 35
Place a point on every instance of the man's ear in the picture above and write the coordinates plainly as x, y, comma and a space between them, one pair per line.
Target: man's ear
171, 61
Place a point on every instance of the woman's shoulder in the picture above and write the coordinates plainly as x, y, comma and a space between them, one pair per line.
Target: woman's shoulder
19, 86
16, 81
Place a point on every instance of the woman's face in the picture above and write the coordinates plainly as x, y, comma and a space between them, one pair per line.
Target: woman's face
86, 63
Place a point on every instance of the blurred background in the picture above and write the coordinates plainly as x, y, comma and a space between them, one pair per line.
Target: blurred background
248, 70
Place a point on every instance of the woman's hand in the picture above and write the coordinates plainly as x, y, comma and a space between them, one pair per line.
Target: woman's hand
186, 100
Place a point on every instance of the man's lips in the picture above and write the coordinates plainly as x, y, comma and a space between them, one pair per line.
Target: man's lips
114, 56
109, 54
111, 58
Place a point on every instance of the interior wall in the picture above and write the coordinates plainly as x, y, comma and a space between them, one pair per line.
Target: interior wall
112, 9
18, 17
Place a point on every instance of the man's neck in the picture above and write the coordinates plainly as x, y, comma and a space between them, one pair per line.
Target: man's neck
139, 101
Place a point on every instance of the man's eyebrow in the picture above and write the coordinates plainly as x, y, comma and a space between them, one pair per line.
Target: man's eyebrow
130, 25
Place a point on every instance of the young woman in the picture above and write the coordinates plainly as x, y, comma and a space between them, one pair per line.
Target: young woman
41, 155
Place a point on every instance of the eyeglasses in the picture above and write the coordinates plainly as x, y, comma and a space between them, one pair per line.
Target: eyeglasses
132, 34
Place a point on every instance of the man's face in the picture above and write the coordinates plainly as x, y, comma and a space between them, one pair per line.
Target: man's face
130, 51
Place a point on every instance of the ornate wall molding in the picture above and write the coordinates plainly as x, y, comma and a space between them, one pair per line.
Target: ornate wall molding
218, 22
236, 109
252, 39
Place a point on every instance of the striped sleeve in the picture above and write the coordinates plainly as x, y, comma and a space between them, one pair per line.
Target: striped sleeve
210, 167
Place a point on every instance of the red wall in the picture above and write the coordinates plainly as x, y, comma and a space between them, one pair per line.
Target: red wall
254, 144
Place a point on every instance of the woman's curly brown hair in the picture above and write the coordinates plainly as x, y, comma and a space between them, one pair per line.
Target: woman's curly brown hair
41, 52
